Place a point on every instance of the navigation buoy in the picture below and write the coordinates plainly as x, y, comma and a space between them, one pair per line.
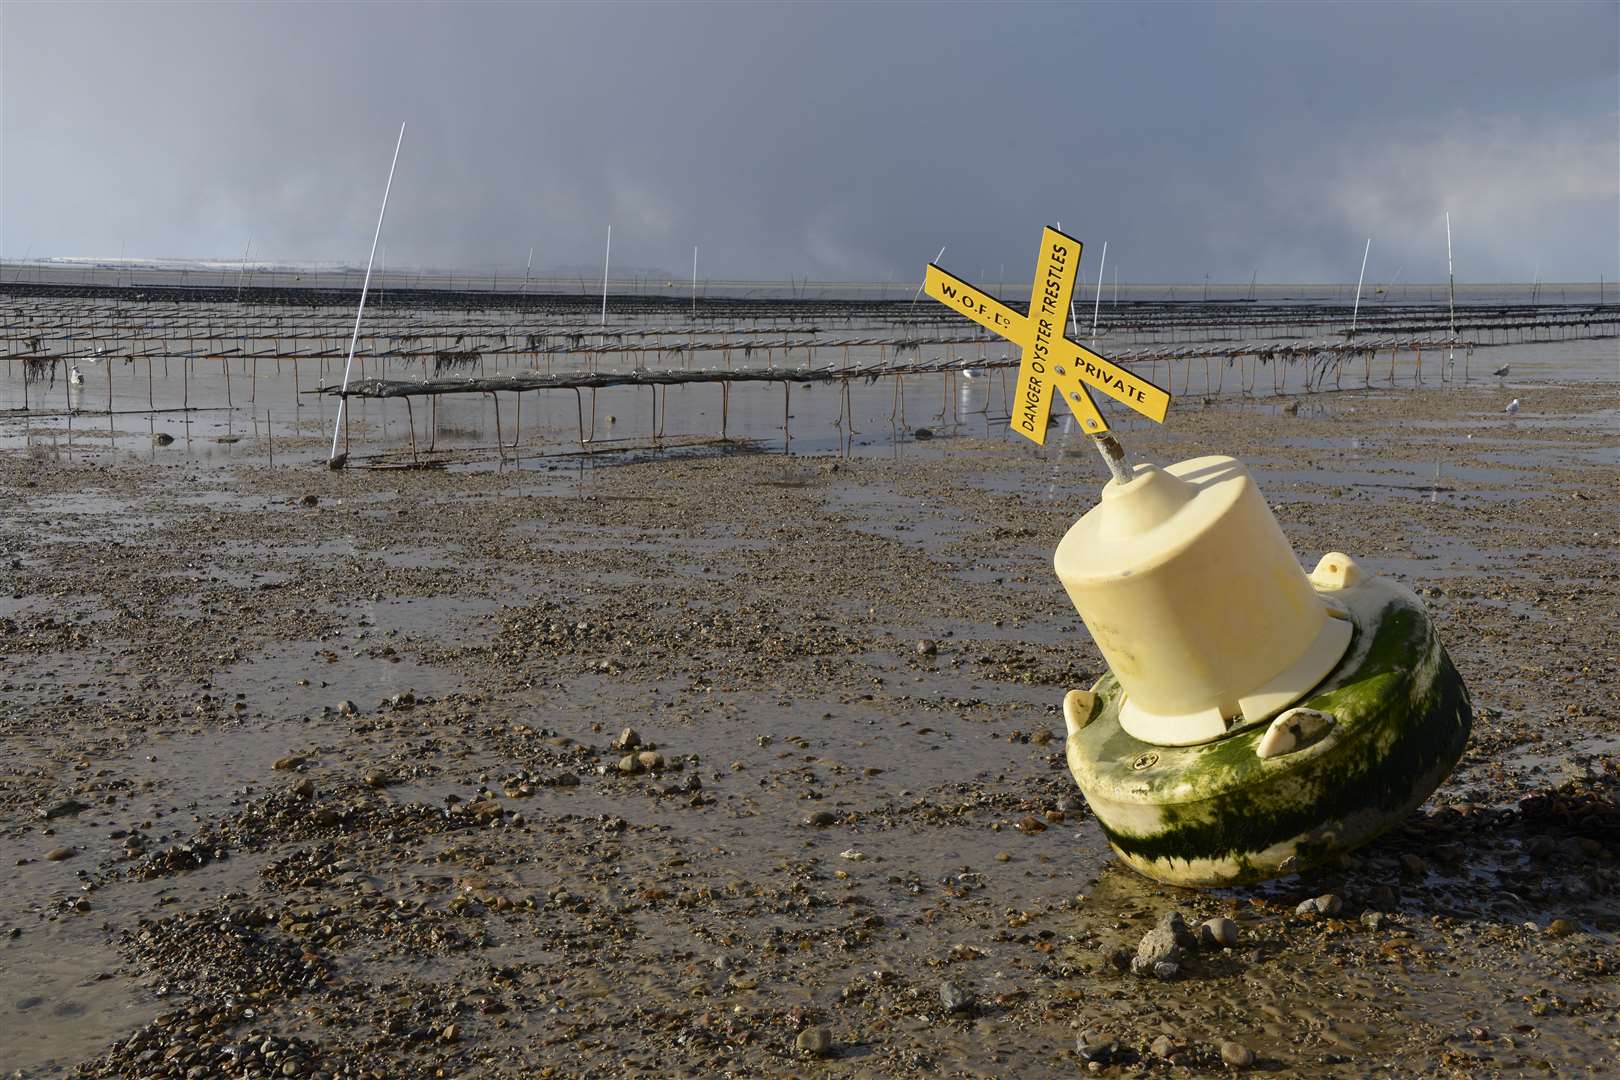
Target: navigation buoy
1254, 720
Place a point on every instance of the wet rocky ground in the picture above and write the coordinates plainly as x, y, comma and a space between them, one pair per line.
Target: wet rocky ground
327, 774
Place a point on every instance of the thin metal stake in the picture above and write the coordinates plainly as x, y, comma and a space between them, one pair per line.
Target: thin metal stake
343, 393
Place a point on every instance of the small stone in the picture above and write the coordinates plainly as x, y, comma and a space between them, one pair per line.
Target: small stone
1029, 825
852, 855
1329, 904
58, 854
815, 1041
821, 819
1373, 920
1236, 1054
926, 647
62, 809
309, 500
630, 763
1177, 927
743, 981
162, 438
650, 760
1158, 954
955, 998
1094, 1045
1556, 928
1414, 864
1218, 933
628, 740
304, 789
375, 779
291, 761
923, 433
347, 707
1163, 1046
450, 1033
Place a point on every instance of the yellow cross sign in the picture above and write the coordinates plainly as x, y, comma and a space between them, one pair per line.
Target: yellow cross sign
1051, 361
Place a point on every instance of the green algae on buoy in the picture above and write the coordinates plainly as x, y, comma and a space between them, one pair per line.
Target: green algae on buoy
1254, 721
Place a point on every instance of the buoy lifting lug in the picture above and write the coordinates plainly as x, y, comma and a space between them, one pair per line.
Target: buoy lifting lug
1079, 706
1293, 730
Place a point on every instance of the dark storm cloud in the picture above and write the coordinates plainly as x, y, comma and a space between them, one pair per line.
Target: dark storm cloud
835, 141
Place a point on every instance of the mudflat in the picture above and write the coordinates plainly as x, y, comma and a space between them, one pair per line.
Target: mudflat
327, 774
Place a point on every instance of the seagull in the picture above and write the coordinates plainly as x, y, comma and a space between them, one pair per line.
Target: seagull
1501, 371
76, 377
1512, 407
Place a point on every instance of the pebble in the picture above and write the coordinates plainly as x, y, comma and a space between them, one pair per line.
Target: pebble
162, 438
630, 763
1172, 922
628, 740
309, 500
815, 1041
1158, 954
347, 707
1094, 1045
375, 779
304, 789
291, 761
58, 854
1414, 864
1163, 1046
650, 760
1219, 932
1556, 928
955, 998
62, 809
821, 818
1236, 1054
926, 648
1327, 904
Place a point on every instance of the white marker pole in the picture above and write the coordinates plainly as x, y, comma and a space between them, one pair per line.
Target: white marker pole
1096, 308
1357, 309
694, 281
918, 293
606, 257
528, 267
354, 338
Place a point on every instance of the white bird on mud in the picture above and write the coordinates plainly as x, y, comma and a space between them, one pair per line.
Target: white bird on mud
1501, 371
75, 376
1512, 407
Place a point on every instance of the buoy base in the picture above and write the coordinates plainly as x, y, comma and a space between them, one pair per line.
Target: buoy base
1220, 814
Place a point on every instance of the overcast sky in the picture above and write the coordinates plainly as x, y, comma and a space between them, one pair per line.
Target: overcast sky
835, 141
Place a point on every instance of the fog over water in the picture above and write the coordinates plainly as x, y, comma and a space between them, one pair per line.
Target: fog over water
838, 142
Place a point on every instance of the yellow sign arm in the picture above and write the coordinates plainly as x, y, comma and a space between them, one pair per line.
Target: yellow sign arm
979, 306
1080, 365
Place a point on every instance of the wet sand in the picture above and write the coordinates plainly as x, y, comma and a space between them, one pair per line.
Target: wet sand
314, 773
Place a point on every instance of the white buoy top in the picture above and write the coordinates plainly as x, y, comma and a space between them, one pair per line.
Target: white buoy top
1197, 602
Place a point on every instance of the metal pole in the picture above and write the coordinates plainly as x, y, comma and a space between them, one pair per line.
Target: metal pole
606, 257
1357, 309
1096, 308
354, 338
